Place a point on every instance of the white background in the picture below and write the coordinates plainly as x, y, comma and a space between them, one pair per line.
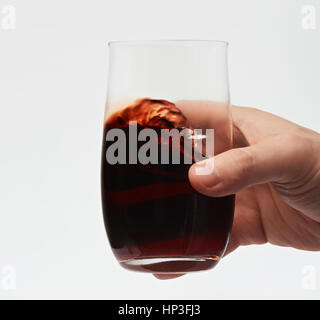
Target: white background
53, 79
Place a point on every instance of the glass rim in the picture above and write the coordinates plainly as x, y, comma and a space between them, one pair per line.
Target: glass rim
166, 42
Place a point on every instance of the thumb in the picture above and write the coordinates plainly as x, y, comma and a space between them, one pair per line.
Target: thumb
273, 160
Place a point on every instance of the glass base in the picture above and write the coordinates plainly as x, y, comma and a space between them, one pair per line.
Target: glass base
172, 265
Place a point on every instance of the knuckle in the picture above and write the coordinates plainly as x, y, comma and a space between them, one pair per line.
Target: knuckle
290, 140
294, 145
302, 153
298, 143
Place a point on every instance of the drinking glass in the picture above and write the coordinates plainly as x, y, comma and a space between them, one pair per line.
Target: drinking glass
167, 107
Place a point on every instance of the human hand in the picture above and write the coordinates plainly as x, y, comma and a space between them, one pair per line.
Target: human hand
275, 170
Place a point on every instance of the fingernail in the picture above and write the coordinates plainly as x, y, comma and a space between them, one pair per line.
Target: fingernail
211, 178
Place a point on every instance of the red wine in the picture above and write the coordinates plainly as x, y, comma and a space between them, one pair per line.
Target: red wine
156, 222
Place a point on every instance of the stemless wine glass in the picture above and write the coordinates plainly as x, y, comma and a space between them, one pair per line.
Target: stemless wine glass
164, 99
